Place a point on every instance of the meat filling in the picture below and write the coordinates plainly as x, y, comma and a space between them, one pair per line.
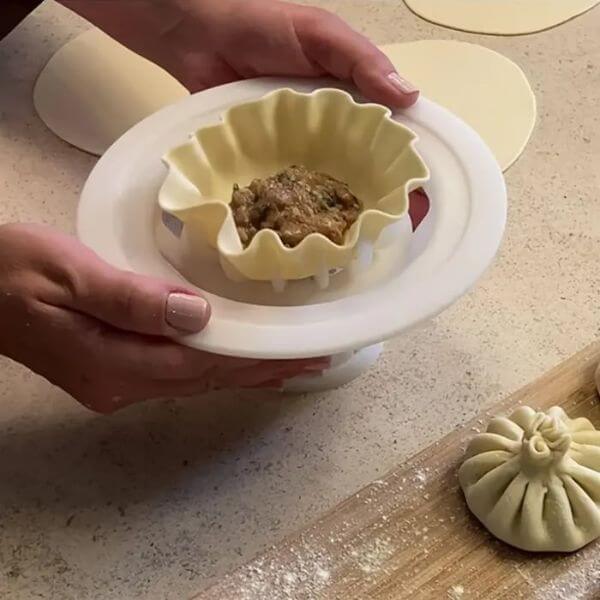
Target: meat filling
295, 203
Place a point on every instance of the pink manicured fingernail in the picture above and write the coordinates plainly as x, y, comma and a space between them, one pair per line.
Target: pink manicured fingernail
406, 87
186, 312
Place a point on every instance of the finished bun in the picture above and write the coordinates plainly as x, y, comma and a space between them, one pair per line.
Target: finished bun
533, 480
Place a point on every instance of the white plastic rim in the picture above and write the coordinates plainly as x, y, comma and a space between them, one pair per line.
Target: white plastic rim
457, 243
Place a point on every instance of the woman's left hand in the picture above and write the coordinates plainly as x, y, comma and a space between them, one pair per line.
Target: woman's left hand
205, 43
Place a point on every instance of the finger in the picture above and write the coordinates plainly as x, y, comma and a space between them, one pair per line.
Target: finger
156, 359
141, 304
106, 369
206, 73
243, 376
181, 389
336, 47
258, 375
265, 374
129, 301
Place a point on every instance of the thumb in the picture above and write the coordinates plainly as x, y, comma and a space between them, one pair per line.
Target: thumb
134, 302
339, 50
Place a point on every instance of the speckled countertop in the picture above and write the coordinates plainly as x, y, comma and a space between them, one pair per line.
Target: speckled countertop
160, 500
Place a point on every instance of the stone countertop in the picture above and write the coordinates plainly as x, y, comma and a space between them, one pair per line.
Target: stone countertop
162, 499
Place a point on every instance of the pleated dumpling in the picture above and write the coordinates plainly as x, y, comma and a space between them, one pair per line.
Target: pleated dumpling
533, 480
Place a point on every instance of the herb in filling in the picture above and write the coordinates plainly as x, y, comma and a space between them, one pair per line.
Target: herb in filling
295, 203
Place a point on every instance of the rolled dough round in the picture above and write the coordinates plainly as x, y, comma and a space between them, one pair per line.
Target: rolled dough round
501, 17
94, 89
484, 88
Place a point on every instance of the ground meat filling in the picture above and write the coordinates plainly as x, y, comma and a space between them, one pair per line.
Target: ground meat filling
295, 203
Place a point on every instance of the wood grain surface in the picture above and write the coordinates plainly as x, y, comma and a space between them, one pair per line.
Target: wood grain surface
410, 535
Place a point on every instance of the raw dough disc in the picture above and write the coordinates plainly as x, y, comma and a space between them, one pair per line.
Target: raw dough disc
485, 89
94, 89
502, 17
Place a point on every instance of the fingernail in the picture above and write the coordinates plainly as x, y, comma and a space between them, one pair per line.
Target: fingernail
186, 312
406, 87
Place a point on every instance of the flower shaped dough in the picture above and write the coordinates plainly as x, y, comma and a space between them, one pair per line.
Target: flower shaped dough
533, 480
325, 131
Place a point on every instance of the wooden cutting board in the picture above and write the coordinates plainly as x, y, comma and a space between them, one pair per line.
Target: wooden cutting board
410, 535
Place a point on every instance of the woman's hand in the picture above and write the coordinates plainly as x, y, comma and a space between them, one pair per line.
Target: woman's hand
100, 333
205, 43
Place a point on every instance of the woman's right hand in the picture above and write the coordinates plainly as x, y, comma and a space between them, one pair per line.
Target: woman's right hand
101, 334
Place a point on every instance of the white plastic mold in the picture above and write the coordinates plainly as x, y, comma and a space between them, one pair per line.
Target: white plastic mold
412, 278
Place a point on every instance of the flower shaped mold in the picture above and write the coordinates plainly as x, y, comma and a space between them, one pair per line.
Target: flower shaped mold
325, 131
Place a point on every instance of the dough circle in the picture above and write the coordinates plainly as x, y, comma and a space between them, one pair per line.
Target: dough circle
500, 17
533, 480
94, 89
485, 89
